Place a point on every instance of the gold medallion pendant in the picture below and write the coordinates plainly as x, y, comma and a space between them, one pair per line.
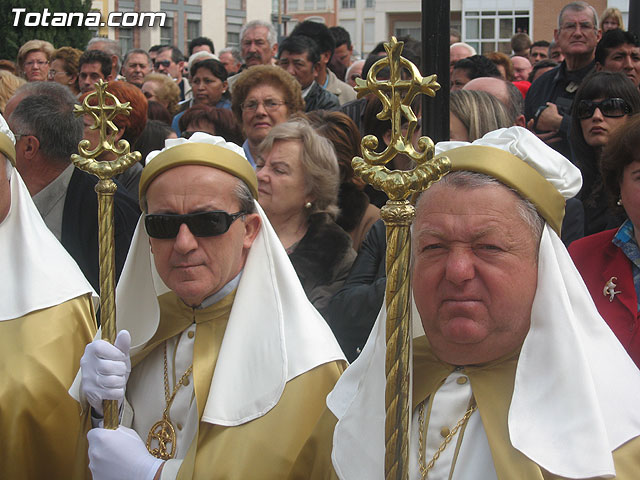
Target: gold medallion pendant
161, 441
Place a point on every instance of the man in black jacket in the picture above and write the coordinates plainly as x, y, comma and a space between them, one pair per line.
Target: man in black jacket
299, 55
47, 133
548, 102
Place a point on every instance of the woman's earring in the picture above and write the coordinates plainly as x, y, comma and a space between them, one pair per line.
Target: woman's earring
308, 205
619, 202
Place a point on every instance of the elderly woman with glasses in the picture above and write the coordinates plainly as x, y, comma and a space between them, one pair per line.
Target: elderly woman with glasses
33, 60
605, 101
64, 68
263, 96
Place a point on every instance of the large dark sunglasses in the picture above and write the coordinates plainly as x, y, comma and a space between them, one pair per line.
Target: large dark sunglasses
201, 224
163, 63
611, 107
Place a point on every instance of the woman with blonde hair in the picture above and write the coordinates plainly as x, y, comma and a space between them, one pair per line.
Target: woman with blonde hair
9, 83
474, 113
33, 60
162, 89
611, 19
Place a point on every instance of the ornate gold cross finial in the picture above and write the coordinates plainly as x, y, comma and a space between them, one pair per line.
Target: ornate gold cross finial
103, 114
107, 108
396, 95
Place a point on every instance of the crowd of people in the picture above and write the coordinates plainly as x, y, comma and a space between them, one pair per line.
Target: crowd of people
250, 262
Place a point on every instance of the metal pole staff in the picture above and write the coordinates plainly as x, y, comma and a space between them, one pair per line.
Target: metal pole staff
396, 95
103, 114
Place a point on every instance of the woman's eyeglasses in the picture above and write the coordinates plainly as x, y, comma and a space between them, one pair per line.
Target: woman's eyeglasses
610, 107
201, 224
269, 104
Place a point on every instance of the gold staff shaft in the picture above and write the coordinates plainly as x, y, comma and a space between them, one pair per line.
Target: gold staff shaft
105, 190
397, 216
396, 95
103, 114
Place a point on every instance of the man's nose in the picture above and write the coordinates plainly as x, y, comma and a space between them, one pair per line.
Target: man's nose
185, 240
460, 265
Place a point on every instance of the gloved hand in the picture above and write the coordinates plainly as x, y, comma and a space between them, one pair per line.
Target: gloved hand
120, 454
105, 370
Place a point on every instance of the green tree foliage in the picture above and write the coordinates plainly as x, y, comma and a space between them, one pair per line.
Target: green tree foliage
12, 37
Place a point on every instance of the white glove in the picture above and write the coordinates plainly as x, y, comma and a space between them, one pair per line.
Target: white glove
105, 370
120, 455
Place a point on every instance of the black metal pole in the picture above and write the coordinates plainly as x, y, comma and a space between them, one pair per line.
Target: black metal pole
435, 59
634, 17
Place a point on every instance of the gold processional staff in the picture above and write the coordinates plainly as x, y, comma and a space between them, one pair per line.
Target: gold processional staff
103, 114
396, 95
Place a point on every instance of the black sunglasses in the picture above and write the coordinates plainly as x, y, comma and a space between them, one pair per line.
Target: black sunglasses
611, 107
164, 63
201, 224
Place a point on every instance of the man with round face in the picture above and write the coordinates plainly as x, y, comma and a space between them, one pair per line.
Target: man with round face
619, 51
211, 302
548, 102
506, 342
521, 68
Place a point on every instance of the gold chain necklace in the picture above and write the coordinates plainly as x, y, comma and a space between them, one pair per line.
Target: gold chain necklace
162, 431
424, 470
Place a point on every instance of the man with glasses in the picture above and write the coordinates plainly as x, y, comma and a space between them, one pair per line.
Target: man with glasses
548, 102
231, 364
299, 55
170, 61
47, 133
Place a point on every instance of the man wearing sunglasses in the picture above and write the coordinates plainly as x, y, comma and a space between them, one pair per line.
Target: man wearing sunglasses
231, 363
170, 61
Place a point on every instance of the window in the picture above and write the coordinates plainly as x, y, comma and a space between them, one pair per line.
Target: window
234, 4
292, 6
369, 36
309, 5
193, 29
370, 3
489, 31
348, 3
166, 32
125, 37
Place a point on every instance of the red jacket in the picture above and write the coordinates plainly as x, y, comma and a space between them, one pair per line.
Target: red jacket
598, 260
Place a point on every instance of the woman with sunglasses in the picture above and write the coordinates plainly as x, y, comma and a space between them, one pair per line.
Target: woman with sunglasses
263, 96
605, 101
609, 261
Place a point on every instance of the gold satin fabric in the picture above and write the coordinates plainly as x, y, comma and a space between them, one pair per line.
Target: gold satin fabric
492, 386
269, 447
43, 431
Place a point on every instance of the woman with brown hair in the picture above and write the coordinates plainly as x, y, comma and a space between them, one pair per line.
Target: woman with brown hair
64, 68
357, 214
160, 88
263, 96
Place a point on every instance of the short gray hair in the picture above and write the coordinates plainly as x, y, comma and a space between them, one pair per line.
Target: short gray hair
318, 159
234, 51
578, 7
112, 47
47, 113
526, 209
138, 51
272, 36
466, 45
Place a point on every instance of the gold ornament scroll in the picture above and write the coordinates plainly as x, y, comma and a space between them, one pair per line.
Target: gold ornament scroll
396, 95
103, 114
